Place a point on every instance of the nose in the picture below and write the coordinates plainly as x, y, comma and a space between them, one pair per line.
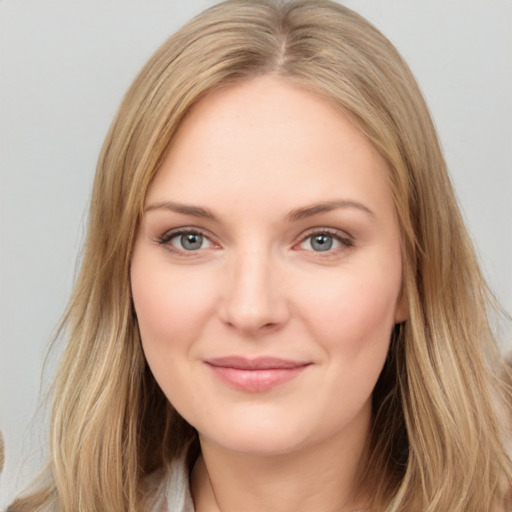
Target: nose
253, 300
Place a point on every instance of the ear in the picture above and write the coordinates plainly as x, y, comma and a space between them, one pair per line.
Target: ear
402, 307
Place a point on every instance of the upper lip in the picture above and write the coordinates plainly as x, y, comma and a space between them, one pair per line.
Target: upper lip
258, 363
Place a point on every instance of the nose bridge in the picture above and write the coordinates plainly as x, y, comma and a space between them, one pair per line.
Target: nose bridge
254, 298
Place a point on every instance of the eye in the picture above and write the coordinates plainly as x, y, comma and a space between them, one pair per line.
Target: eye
189, 241
325, 241
186, 240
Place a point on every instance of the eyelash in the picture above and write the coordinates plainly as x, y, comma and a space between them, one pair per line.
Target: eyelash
166, 237
345, 241
342, 238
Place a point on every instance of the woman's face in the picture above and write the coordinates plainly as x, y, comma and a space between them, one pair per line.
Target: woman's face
266, 274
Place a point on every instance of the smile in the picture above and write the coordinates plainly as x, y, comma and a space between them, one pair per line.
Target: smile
255, 375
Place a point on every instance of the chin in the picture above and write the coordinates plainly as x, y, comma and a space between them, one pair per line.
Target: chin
265, 431
266, 436
258, 444
257, 433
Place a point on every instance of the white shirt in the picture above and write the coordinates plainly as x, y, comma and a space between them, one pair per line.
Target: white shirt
172, 491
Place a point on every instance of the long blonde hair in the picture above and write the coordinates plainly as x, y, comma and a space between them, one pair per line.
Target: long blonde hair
438, 434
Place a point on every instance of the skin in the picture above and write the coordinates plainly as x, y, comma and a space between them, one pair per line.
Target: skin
258, 158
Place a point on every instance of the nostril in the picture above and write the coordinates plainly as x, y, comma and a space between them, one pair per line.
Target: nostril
251, 299
261, 321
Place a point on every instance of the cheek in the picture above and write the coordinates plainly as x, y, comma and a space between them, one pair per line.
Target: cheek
352, 315
354, 305
173, 306
166, 302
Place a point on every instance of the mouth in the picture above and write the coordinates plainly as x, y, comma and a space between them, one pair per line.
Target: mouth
255, 375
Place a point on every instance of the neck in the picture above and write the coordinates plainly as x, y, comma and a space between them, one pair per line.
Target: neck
323, 477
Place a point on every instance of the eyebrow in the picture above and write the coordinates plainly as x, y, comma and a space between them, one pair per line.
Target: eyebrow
294, 215
310, 211
195, 211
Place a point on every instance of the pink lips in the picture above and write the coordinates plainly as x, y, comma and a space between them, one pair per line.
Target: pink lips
255, 375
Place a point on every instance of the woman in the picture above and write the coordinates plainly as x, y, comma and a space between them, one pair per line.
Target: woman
279, 306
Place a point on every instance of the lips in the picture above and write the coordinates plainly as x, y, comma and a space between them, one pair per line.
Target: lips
255, 375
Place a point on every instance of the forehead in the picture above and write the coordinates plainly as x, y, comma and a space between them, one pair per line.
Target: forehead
273, 143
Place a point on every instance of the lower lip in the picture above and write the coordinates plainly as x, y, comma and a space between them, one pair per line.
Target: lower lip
256, 381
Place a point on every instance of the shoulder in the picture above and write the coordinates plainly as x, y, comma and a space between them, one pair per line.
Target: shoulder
168, 490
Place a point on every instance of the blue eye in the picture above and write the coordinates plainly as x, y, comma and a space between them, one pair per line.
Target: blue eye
324, 241
321, 242
186, 241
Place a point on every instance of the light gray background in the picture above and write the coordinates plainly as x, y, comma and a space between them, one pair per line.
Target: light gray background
64, 66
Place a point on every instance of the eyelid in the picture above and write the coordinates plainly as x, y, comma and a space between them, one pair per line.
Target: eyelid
165, 238
346, 240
